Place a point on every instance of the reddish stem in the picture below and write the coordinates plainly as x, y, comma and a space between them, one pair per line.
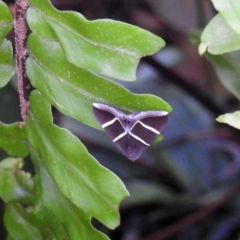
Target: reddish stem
21, 32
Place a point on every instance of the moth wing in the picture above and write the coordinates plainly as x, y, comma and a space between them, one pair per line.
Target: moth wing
148, 125
134, 144
106, 114
144, 128
130, 147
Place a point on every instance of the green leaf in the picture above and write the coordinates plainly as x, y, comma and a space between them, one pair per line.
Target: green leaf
227, 67
15, 185
6, 20
72, 90
13, 139
18, 224
202, 48
87, 184
230, 10
57, 217
218, 37
108, 47
7, 68
6, 62
232, 119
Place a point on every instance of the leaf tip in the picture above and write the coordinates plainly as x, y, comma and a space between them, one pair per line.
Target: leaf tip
202, 48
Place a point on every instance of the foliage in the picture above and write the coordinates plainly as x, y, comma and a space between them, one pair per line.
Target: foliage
222, 36
71, 63
6, 62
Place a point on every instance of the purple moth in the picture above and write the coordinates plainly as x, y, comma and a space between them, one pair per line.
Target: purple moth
131, 133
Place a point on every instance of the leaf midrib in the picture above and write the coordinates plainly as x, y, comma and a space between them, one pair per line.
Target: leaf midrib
116, 49
67, 163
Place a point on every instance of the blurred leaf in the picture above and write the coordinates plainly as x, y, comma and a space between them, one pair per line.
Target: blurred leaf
227, 67
91, 187
104, 46
7, 69
57, 217
232, 119
18, 224
230, 10
154, 193
218, 37
203, 47
72, 90
15, 185
13, 139
158, 138
6, 20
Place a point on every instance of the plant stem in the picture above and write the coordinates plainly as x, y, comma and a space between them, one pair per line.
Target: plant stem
21, 32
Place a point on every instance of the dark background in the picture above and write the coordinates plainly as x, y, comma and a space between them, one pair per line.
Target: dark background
187, 186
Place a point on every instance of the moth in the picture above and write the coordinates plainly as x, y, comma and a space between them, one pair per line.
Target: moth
132, 133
